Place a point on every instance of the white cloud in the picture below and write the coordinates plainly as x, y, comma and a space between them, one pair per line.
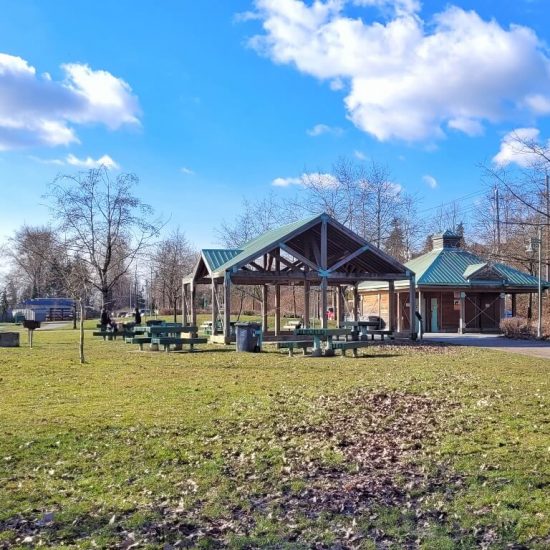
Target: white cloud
359, 155
56, 162
244, 16
514, 148
336, 85
320, 129
313, 178
285, 182
38, 111
430, 181
89, 162
409, 78
187, 171
399, 6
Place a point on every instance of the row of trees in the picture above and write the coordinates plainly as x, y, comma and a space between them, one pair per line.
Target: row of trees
102, 238
496, 221
99, 231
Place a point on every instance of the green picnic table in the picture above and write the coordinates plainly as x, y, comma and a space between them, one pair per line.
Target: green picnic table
322, 335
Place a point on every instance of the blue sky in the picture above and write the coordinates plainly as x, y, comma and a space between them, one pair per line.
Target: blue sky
212, 101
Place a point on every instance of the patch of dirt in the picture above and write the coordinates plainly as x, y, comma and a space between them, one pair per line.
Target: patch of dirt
322, 473
349, 457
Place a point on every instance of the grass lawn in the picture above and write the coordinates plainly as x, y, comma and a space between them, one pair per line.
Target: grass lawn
407, 447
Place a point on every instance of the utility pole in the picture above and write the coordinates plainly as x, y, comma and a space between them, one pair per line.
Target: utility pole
536, 242
547, 226
539, 321
497, 208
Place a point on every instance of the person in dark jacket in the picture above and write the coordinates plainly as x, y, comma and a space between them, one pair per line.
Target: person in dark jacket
137, 316
105, 319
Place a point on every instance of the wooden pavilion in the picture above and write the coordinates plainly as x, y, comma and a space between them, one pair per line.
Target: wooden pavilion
457, 291
317, 251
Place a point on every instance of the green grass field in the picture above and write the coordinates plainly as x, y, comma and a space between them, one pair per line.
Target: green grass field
405, 447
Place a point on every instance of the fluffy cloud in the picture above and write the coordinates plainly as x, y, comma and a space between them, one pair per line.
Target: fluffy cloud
407, 78
519, 146
314, 178
430, 181
320, 129
187, 171
38, 111
87, 162
399, 6
285, 182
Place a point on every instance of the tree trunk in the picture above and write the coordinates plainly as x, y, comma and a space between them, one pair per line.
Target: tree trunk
74, 316
175, 309
81, 343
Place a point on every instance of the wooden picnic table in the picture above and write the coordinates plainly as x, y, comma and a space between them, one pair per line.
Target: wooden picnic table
322, 335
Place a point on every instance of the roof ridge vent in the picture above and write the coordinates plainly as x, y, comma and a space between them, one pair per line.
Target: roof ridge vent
448, 239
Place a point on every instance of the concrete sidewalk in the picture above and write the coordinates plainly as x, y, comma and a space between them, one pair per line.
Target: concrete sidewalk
534, 348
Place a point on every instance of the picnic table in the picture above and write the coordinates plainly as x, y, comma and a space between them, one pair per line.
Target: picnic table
322, 335
364, 328
166, 335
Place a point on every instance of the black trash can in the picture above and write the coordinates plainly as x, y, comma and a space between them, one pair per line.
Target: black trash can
248, 337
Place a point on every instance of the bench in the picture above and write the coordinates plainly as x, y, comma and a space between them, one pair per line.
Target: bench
381, 333
140, 340
167, 341
107, 334
353, 345
292, 325
291, 345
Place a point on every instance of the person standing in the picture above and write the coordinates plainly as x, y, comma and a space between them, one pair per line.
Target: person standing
137, 316
105, 320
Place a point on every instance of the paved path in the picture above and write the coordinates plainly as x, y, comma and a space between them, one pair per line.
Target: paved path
533, 348
55, 325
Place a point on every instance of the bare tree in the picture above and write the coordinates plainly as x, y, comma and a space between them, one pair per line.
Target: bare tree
31, 251
173, 258
105, 224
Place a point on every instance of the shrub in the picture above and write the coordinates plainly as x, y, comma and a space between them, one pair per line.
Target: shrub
517, 327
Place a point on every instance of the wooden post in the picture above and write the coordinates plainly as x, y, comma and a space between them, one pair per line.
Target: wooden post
324, 281
341, 307
324, 302
421, 312
462, 321
214, 308
184, 305
192, 305
264, 308
514, 305
306, 304
399, 320
355, 303
227, 308
277, 310
502, 307
412, 306
391, 305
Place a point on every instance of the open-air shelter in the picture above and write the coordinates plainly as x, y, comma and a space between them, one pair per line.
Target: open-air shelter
317, 251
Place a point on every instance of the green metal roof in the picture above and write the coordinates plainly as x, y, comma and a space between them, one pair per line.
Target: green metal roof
451, 267
473, 269
253, 248
214, 257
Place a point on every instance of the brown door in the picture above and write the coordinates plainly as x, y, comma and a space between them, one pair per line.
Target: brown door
471, 312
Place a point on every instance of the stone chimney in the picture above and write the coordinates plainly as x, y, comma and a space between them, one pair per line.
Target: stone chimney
449, 239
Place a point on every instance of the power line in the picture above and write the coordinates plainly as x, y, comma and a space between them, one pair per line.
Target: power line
458, 199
